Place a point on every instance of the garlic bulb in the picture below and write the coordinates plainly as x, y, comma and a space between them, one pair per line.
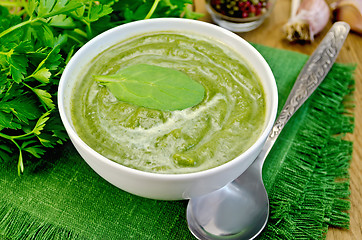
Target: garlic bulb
310, 18
349, 11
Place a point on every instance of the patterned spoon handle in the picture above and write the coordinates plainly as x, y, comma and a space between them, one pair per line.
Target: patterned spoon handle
312, 74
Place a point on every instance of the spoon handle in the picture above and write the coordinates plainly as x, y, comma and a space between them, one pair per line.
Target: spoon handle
312, 74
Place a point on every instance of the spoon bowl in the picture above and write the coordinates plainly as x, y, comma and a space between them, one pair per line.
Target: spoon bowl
240, 209
214, 215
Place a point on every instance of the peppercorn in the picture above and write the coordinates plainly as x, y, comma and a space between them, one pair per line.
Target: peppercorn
240, 8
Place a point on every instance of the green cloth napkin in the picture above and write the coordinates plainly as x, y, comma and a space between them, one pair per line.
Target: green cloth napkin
306, 176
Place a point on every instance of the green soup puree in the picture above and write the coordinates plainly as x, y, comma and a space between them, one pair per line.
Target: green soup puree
225, 124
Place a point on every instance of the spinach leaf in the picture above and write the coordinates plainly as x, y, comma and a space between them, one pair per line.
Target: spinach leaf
154, 87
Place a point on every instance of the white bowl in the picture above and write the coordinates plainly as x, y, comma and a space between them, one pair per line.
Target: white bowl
154, 185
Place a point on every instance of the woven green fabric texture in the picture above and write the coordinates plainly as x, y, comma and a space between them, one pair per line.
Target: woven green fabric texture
306, 176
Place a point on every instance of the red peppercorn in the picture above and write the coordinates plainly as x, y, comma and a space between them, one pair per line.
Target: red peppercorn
252, 9
240, 8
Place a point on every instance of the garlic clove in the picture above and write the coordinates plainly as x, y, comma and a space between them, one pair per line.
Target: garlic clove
297, 30
349, 11
311, 18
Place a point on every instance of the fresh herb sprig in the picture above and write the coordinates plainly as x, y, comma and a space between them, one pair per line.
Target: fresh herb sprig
37, 39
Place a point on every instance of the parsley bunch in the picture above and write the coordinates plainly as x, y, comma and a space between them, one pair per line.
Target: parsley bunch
37, 39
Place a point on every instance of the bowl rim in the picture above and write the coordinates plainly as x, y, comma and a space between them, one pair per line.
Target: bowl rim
166, 176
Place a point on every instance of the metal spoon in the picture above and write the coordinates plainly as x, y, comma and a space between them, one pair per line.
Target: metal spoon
240, 210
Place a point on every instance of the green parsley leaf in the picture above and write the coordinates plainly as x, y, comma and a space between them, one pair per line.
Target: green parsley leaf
62, 21
36, 151
7, 121
22, 107
40, 124
17, 65
33, 148
49, 8
45, 97
97, 11
42, 75
154, 87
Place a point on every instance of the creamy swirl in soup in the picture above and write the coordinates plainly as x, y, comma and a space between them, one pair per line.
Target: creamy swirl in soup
225, 124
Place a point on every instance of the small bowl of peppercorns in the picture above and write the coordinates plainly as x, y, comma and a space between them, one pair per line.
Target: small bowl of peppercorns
239, 15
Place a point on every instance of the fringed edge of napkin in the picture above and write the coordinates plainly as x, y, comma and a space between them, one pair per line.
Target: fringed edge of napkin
311, 191
18, 224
